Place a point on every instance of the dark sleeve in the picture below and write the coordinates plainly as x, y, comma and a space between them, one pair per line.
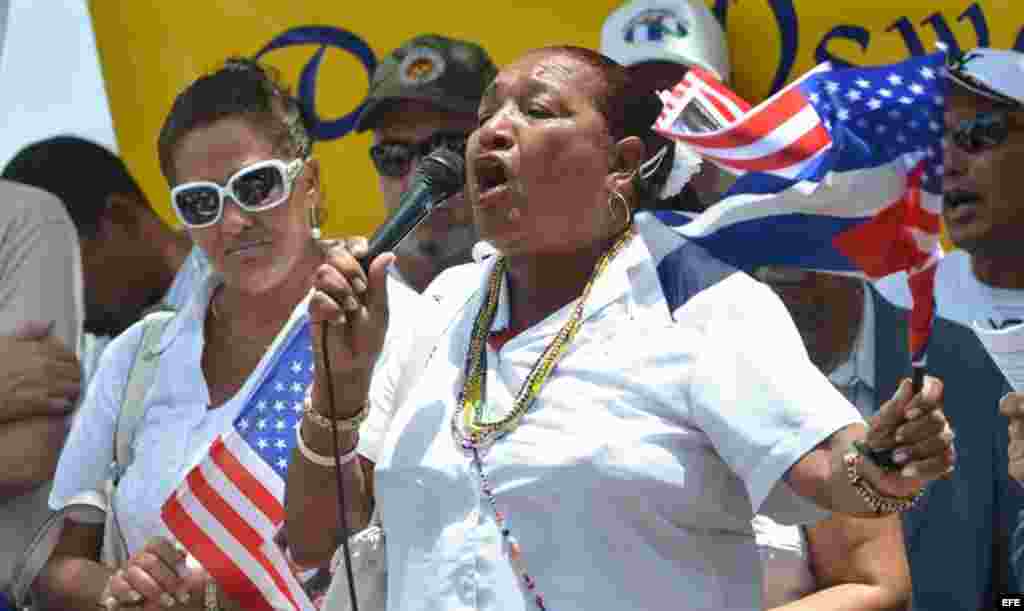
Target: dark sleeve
1008, 547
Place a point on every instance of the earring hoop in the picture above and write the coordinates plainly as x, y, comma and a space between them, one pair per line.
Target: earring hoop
314, 224
627, 213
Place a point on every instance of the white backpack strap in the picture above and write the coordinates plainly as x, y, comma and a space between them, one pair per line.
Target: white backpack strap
140, 379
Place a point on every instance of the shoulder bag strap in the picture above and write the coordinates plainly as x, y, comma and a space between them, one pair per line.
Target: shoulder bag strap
140, 379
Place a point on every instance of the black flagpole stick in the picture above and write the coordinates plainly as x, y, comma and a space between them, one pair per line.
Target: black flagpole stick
884, 457
918, 378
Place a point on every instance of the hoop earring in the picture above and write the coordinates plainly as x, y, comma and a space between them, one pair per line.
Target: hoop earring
314, 224
628, 215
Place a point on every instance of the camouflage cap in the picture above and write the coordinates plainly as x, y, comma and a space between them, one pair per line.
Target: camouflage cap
450, 74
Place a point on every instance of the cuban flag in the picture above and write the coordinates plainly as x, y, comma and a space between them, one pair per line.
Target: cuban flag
230, 506
838, 172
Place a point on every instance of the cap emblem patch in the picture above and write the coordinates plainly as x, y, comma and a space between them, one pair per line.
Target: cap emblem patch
654, 26
420, 66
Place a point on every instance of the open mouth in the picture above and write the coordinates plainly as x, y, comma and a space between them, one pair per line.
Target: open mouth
491, 176
247, 248
956, 199
959, 206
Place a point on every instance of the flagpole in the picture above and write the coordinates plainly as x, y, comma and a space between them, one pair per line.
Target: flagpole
884, 457
918, 380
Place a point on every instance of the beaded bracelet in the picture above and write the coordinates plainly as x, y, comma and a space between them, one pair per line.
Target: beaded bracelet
345, 425
320, 459
878, 502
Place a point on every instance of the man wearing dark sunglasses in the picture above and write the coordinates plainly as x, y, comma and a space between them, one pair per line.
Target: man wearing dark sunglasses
983, 182
982, 282
424, 95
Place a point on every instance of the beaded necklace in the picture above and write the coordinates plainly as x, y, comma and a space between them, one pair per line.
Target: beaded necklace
473, 433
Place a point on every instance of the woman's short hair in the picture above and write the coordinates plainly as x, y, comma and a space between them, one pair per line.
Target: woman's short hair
241, 88
628, 112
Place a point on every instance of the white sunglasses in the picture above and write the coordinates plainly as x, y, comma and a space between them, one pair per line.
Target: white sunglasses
256, 188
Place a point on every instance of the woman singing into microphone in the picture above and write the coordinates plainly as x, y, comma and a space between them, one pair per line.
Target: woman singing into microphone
605, 406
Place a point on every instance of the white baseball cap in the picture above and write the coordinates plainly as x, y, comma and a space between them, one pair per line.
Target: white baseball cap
997, 74
677, 31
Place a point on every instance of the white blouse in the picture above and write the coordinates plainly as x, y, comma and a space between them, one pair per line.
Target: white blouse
632, 482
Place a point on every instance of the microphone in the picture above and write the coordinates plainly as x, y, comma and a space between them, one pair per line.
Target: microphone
438, 176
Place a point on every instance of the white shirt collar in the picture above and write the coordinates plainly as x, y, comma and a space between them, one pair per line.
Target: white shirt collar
632, 269
194, 311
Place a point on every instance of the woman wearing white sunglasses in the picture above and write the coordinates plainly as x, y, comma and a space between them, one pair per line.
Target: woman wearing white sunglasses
237, 157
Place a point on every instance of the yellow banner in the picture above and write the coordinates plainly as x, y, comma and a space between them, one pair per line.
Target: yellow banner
774, 41
150, 50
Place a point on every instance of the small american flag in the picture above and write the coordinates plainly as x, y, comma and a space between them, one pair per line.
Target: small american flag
231, 504
840, 171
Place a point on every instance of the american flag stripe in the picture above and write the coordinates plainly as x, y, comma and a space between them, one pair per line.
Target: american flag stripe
252, 566
208, 553
250, 476
725, 100
782, 139
763, 119
227, 561
721, 104
796, 149
784, 136
219, 492
227, 518
726, 104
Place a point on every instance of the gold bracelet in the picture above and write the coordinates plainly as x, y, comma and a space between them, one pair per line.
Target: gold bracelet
345, 425
878, 502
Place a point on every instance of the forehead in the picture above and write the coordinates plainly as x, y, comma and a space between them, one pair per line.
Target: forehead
413, 121
553, 72
214, 151
962, 103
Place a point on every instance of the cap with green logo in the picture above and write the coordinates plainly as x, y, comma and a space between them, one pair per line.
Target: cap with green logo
450, 74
